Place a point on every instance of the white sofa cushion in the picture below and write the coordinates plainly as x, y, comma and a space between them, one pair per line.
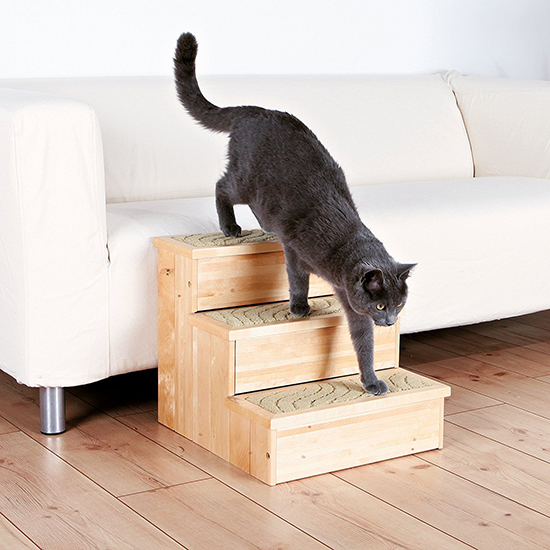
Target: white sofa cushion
153, 150
475, 240
508, 123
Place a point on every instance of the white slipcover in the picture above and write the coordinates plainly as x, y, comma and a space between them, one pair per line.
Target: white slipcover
54, 307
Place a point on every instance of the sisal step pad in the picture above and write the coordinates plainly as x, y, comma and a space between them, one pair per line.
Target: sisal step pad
272, 313
331, 392
207, 240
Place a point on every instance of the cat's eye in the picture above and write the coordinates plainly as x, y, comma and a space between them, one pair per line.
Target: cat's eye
380, 306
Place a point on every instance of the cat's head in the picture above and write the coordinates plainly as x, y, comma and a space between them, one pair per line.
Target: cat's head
379, 293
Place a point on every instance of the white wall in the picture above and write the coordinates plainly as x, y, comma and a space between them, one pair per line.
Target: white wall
40, 38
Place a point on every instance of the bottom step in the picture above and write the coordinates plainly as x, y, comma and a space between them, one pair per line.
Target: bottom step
309, 429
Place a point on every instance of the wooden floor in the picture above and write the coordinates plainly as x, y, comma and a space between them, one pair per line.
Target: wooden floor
119, 480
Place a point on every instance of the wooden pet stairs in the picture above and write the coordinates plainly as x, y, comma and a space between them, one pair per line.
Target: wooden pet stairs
275, 395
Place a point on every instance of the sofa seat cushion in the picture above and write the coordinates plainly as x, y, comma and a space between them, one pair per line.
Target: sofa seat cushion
479, 243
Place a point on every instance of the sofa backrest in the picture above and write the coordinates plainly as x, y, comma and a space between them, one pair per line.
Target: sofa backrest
378, 128
508, 122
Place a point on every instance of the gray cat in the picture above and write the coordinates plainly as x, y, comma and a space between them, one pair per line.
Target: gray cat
295, 189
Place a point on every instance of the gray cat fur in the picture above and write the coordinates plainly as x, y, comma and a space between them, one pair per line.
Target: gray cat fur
278, 167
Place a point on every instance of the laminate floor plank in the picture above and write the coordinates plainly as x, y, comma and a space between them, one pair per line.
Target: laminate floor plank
481, 344
504, 470
461, 399
459, 341
526, 393
57, 507
513, 332
521, 430
11, 538
475, 515
541, 319
208, 514
108, 452
6, 427
329, 509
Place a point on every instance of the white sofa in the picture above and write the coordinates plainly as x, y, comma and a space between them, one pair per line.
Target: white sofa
92, 169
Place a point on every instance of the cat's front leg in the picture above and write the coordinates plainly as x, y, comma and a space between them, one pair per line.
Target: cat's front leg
361, 328
298, 279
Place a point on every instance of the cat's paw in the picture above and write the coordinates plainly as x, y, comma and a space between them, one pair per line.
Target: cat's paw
301, 309
232, 230
378, 388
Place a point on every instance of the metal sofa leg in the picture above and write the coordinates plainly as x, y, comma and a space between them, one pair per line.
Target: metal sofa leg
52, 410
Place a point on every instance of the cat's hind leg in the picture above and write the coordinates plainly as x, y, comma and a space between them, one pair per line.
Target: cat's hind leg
224, 207
262, 224
298, 279
361, 328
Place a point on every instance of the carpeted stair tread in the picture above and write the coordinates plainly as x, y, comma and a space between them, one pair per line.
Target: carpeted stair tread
271, 313
330, 392
204, 240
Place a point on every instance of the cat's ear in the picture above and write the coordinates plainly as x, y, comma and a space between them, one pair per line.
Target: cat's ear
373, 281
368, 277
404, 270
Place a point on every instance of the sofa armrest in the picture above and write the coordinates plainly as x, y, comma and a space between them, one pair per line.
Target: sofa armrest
53, 256
508, 123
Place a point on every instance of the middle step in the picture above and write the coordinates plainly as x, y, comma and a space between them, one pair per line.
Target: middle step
265, 346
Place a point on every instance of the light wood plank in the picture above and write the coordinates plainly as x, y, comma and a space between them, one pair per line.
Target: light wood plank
416, 353
186, 377
108, 452
57, 507
6, 427
523, 392
517, 359
522, 430
292, 358
222, 382
480, 343
541, 319
509, 330
166, 336
204, 391
504, 470
247, 279
210, 511
473, 514
334, 445
239, 443
11, 538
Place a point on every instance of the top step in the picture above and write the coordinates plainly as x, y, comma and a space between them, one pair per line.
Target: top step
215, 245
219, 272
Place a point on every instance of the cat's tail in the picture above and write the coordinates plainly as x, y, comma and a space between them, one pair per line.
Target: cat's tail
214, 118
